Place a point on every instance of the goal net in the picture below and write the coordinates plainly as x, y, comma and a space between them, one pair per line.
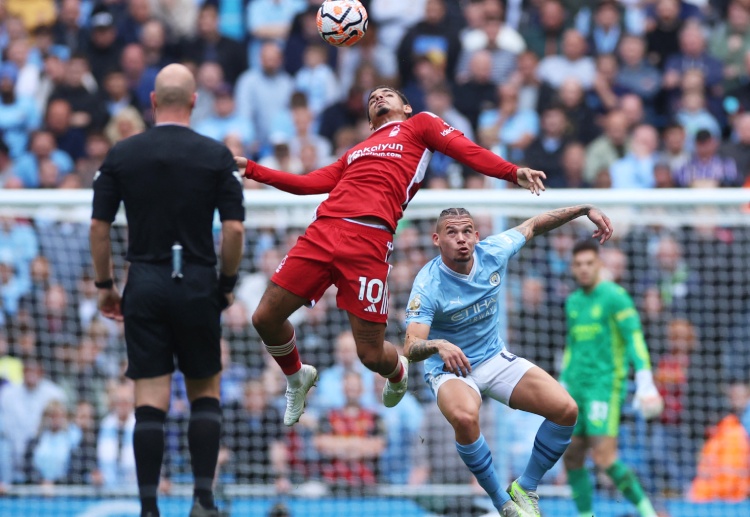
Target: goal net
66, 411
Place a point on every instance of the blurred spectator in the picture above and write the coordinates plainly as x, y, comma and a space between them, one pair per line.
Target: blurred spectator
723, 472
115, 456
225, 120
488, 39
663, 31
209, 78
316, 79
11, 367
440, 102
280, 159
330, 391
180, 16
477, 92
605, 34
32, 12
67, 29
693, 55
18, 115
394, 17
129, 27
88, 111
531, 91
671, 451
636, 168
605, 94
116, 93
104, 47
427, 74
27, 83
254, 446
694, 117
402, 425
663, 177
53, 76
83, 468
97, 147
263, 91
8, 177
669, 276
351, 439
482, 35
49, 453
71, 140
636, 75
302, 33
545, 151
271, 20
210, 45
303, 132
573, 63
579, 115
545, 38
126, 123
514, 127
42, 146
157, 50
23, 404
706, 169
739, 150
83, 378
369, 51
730, 42
57, 324
345, 113
674, 152
573, 161
608, 148
435, 38
140, 77
13, 285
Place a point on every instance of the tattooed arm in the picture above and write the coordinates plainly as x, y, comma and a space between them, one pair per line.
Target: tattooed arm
418, 348
547, 221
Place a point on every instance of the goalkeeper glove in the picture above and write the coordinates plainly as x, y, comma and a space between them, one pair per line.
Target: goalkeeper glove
647, 400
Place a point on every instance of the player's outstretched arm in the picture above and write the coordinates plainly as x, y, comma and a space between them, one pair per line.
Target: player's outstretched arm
320, 181
547, 221
418, 348
490, 164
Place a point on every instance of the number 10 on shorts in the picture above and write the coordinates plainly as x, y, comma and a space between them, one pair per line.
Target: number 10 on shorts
371, 289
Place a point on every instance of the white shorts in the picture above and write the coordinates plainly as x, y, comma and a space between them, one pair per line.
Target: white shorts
496, 377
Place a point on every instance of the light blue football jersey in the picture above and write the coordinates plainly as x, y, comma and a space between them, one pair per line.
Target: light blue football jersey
464, 309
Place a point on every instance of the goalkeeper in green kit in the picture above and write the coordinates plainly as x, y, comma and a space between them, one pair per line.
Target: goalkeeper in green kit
604, 337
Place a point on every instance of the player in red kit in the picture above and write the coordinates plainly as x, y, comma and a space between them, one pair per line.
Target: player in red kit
351, 239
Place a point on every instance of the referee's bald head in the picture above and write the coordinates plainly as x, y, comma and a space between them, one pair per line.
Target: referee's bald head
174, 89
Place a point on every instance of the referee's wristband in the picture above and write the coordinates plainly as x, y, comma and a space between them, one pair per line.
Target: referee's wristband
105, 284
227, 283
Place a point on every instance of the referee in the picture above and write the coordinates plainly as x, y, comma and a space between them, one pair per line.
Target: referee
171, 180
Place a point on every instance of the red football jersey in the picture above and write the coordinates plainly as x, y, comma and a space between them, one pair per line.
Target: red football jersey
379, 176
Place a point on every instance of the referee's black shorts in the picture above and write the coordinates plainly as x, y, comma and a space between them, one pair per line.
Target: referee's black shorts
167, 320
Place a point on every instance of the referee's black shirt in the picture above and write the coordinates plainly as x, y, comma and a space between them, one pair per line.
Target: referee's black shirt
171, 179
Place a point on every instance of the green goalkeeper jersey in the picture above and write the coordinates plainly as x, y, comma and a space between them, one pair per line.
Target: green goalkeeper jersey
604, 336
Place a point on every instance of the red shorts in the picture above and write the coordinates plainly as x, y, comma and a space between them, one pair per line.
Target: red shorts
351, 256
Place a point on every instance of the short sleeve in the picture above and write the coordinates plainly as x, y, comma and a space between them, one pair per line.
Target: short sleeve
421, 306
436, 133
505, 245
107, 195
229, 198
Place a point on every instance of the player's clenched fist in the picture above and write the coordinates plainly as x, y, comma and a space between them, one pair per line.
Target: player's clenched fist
454, 358
241, 162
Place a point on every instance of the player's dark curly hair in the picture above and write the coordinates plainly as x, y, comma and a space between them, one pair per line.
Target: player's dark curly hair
449, 213
585, 245
386, 87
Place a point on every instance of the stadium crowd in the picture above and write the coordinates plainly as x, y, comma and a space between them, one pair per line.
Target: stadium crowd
597, 93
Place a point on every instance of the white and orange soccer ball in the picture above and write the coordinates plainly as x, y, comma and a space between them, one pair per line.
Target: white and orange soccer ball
342, 23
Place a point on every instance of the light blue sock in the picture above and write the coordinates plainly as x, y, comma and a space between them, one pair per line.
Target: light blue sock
478, 458
550, 443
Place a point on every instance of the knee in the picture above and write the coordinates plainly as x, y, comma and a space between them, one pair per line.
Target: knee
370, 357
568, 414
464, 421
603, 459
261, 319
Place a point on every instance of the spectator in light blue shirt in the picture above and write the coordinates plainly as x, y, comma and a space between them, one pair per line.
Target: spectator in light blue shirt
636, 168
18, 114
270, 20
516, 128
41, 147
226, 121
317, 80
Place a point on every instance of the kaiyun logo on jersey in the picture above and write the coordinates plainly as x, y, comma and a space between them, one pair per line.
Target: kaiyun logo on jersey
384, 150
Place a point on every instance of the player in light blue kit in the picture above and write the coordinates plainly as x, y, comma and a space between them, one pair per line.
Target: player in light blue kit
452, 325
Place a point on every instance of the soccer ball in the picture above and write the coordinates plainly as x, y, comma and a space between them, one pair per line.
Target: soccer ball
342, 23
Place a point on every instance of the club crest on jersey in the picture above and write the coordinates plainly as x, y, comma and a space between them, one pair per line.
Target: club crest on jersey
495, 278
395, 131
596, 311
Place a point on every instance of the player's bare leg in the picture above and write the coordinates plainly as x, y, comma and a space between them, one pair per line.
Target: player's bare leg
151, 403
604, 454
204, 434
553, 437
382, 357
271, 321
460, 404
